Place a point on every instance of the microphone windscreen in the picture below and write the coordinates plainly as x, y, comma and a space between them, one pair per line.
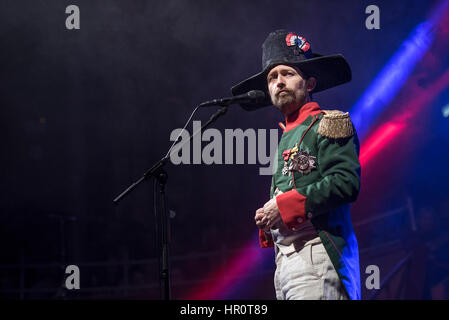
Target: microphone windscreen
256, 94
258, 101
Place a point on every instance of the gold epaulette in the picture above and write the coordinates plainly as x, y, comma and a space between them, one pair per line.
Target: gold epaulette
335, 124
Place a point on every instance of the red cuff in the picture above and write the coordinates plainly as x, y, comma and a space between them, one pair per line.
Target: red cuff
292, 207
265, 242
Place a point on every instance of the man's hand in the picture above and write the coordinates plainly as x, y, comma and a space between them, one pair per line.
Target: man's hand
267, 216
260, 219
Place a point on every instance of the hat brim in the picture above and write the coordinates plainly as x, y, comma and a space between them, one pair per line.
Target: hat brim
330, 71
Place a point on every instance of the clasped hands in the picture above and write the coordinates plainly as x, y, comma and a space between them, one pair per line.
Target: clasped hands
267, 216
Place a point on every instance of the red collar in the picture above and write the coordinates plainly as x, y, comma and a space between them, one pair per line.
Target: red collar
298, 117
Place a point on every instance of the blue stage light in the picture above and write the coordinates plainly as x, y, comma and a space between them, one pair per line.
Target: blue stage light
395, 73
391, 78
445, 111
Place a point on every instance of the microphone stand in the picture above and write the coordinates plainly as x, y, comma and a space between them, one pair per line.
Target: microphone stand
157, 171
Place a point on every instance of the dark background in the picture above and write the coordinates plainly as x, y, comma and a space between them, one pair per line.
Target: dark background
85, 112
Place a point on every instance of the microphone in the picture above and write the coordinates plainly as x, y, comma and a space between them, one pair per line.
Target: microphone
253, 96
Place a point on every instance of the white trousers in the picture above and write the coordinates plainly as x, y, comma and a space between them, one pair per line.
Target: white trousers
307, 274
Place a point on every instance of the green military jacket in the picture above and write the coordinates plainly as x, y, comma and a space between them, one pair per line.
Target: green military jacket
318, 171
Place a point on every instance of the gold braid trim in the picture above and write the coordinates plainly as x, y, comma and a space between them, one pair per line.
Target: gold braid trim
335, 124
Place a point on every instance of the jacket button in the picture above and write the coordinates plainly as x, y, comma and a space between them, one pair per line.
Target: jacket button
309, 215
300, 220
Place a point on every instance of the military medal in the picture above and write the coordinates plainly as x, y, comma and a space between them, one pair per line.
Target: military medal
286, 155
300, 161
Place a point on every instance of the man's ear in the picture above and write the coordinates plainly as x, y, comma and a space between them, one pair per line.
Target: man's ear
311, 84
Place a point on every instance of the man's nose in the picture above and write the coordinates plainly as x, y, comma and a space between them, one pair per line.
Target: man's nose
280, 82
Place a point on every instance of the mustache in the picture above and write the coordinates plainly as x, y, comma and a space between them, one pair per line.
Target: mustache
283, 90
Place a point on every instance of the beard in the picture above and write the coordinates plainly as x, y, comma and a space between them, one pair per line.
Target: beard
287, 102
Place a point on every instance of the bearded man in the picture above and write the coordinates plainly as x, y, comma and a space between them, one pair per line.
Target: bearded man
316, 176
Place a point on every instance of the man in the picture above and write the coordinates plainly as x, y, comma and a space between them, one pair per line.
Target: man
316, 177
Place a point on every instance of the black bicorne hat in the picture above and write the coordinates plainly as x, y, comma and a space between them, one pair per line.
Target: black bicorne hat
283, 47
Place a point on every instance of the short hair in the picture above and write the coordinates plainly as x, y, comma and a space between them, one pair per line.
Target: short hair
306, 76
